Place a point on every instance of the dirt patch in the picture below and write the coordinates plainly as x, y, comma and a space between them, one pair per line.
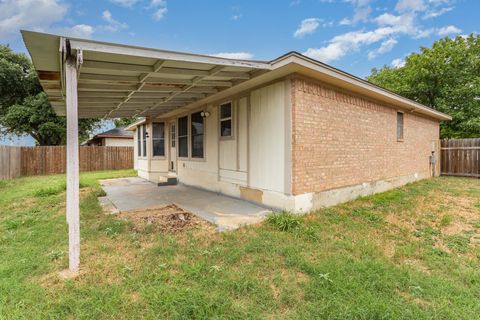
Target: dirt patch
170, 219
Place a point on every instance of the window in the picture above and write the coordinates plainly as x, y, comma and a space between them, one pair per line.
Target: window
399, 125
139, 141
183, 137
197, 127
226, 120
173, 134
158, 139
144, 140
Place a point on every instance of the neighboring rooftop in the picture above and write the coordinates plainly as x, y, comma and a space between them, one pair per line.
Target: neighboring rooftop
118, 132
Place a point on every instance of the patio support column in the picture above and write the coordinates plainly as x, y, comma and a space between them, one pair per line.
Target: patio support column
73, 199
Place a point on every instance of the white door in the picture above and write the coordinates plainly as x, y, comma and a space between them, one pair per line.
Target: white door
173, 147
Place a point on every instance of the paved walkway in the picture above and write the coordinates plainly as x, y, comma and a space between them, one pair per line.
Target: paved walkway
226, 212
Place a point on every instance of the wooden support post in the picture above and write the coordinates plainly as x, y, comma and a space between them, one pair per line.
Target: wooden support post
73, 180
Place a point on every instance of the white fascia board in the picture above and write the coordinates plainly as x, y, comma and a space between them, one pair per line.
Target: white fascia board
96, 46
294, 58
134, 125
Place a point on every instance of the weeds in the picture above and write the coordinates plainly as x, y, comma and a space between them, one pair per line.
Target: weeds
284, 221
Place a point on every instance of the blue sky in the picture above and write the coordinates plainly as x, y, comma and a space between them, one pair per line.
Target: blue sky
353, 35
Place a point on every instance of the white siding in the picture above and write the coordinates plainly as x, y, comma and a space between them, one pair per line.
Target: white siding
118, 142
242, 114
267, 138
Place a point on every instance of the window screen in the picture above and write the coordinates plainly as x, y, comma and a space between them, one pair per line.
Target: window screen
226, 120
158, 139
197, 127
183, 137
399, 125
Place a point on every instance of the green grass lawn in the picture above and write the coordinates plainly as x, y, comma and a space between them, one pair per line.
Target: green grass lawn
411, 253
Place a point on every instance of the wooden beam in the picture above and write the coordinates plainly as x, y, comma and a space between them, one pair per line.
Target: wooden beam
91, 65
146, 77
212, 72
48, 75
115, 49
73, 180
101, 94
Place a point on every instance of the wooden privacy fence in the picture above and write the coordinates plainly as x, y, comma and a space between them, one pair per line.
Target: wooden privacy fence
460, 157
31, 161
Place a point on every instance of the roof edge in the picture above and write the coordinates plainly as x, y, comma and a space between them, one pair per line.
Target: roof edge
134, 125
295, 57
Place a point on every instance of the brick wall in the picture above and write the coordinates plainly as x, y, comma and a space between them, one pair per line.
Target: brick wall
340, 139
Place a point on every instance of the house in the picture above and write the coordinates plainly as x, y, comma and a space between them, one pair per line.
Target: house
116, 137
291, 133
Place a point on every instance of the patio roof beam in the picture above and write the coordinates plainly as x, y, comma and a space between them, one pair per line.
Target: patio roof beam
151, 70
141, 83
212, 72
125, 80
96, 46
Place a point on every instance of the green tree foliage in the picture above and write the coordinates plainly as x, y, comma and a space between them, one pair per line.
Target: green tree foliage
445, 77
24, 107
124, 122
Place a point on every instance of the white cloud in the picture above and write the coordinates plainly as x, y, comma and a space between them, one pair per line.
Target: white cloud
410, 6
390, 26
159, 7
234, 55
385, 47
445, 31
405, 21
361, 12
112, 24
307, 26
124, 3
340, 45
78, 31
436, 13
29, 14
398, 63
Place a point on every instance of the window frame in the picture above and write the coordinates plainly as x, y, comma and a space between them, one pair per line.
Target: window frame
191, 157
139, 141
173, 135
187, 157
401, 136
153, 139
231, 118
144, 141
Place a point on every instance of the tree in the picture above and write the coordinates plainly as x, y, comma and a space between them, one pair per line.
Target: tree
124, 122
24, 107
445, 77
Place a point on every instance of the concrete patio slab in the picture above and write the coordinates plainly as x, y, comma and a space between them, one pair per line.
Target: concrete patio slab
226, 212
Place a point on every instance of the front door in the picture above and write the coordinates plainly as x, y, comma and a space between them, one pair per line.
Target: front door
173, 147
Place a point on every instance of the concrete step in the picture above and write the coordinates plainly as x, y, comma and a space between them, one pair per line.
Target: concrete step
167, 181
